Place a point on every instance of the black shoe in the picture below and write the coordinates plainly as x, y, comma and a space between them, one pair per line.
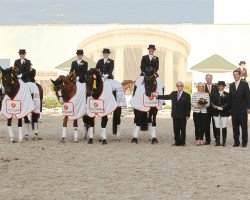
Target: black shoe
90, 141
236, 145
207, 143
183, 144
223, 144
104, 142
134, 140
244, 145
217, 144
154, 140
176, 145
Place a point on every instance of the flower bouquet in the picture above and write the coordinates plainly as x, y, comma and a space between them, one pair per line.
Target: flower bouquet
202, 102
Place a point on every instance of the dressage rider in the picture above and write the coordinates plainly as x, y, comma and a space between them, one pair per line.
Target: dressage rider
150, 60
79, 66
23, 66
106, 65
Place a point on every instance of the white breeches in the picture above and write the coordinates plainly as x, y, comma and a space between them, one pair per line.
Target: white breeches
220, 122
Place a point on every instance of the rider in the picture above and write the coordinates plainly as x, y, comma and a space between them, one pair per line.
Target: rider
23, 66
106, 65
150, 60
79, 66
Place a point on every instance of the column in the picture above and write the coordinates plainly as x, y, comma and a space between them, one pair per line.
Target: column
119, 64
169, 72
181, 69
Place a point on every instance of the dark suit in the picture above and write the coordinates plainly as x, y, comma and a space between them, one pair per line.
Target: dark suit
180, 110
240, 102
106, 68
146, 62
209, 115
221, 101
80, 69
23, 69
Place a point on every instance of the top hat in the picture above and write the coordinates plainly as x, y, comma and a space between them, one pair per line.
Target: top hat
79, 52
151, 46
105, 50
221, 83
22, 51
242, 63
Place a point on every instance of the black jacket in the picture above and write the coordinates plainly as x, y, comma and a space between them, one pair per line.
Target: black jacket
23, 69
80, 69
146, 62
180, 109
213, 90
240, 98
106, 68
221, 101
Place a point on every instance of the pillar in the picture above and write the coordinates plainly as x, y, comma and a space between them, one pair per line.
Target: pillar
119, 64
169, 72
181, 69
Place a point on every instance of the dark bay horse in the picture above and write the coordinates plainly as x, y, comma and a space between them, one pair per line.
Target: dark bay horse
146, 119
65, 88
95, 87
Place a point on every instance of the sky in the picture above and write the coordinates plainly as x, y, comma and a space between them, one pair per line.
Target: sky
19, 12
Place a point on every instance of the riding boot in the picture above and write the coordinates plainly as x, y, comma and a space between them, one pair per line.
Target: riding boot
217, 136
20, 134
11, 135
224, 136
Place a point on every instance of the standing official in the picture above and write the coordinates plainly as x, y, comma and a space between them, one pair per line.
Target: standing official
106, 65
79, 66
210, 88
243, 70
181, 107
150, 60
23, 66
240, 107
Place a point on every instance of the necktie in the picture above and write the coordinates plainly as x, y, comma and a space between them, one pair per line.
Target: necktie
209, 89
178, 96
236, 84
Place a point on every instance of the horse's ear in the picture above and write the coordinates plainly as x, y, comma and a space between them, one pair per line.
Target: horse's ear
1, 69
52, 81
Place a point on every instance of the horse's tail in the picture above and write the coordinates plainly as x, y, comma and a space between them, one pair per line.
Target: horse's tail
144, 121
41, 96
116, 119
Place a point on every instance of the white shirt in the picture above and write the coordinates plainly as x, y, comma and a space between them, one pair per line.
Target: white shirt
237, 84
79, 61
22, 61
221, 92
105, 60
150, 57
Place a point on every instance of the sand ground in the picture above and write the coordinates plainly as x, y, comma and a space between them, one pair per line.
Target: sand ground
46, 169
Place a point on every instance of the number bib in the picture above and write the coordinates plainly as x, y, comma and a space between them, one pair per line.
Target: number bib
150, 101
96, 105
13, 107
68, 109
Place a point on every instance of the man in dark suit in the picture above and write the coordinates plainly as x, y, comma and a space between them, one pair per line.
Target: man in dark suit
23, 66
240, 108
211, 89
150, 60
106, 65
181, 107
79, 66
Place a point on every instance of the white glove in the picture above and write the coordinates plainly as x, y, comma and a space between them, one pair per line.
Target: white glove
219, 108
19, 76
106, 75
77, 79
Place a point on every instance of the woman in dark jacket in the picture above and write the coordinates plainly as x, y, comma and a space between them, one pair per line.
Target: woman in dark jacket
220, 102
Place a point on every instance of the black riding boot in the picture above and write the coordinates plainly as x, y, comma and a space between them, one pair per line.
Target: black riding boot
217, 135
224, 136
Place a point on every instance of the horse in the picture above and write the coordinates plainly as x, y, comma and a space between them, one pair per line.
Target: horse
15, 103
145, 105
97, 89
65, 89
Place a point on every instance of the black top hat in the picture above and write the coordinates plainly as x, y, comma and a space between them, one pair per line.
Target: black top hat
79, 52
242, 63
22, 51
105, 50
221, 83
151, 46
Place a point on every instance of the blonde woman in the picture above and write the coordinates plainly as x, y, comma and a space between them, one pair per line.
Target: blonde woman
200, 102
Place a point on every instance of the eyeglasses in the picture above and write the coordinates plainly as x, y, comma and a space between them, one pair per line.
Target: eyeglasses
179, 85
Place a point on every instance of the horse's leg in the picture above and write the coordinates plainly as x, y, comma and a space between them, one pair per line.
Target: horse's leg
85, 120
153, 132
91, 129
103, 132
150, 114
35, 117
26, 127
117, 121
75, 125
20, 130
137, 126
64, 131
10, 131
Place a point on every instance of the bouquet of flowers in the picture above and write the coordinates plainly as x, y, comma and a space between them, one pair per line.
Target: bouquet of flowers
202, 102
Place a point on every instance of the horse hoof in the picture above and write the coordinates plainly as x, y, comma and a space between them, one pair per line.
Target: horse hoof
20, 141
12, 140
90, 141
75, 141
26, 137
104, 142
100, 140
62, 140
154, 140
134, 140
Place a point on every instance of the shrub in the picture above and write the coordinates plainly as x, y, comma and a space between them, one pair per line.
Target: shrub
51, 102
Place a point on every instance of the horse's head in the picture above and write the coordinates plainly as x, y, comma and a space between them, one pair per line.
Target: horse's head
32, 74
150, 81
9, 80
93, 80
